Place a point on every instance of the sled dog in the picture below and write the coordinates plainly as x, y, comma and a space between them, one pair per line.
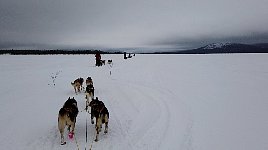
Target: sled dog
89, 93
102, 118
102, 62
101, 113
93, 104
77, 84
67, 117
110, 61
89, 81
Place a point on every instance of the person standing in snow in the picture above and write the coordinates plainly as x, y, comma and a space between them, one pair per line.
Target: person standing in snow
98, 58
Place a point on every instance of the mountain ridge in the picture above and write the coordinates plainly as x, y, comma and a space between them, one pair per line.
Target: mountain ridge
217, 48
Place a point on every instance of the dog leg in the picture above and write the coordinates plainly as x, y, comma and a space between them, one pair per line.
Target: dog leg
99, 123
92, 119
100, 128
69, 128
106, 128
61, 128
97, 137
97, 134
86, 99
97, 129
75, 90
72, 126
87, 103
106, 124
62, 140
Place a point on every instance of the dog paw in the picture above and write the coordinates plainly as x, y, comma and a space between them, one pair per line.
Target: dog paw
63, 143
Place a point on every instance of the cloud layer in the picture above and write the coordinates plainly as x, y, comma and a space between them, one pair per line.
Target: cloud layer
130, 23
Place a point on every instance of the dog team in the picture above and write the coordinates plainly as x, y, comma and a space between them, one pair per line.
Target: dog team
69, 111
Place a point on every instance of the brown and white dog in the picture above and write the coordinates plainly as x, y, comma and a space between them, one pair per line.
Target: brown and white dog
78, 84
67, 117
101, 113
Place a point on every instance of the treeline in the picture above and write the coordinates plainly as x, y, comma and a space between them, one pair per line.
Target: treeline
53, 52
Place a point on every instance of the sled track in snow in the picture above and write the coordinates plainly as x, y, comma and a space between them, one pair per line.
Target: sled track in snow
152, 114
159, 124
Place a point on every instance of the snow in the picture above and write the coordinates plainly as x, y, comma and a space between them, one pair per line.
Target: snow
186, 102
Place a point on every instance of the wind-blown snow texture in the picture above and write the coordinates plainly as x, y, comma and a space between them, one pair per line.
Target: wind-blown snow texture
186, 102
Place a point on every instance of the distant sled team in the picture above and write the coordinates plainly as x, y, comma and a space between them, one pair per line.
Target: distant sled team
68, 113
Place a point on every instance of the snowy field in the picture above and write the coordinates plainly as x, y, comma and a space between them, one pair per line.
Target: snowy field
165, 102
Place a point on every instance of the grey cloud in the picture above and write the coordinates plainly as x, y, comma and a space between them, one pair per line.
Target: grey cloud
182, 43
130, 23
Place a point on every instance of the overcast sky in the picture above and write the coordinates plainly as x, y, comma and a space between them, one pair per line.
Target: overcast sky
181, 24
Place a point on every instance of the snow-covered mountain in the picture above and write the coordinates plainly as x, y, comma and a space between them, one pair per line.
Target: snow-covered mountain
232, 48
216, 45
226, 48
